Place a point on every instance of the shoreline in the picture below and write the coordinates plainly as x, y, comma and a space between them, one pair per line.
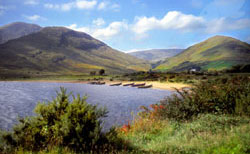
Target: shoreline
156, 85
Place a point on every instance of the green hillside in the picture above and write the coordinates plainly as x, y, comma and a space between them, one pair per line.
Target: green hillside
16, 30
58, 50
216, 53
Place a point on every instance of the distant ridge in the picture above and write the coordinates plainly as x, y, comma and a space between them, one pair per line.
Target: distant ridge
215, 53
59, 50
16, 30
154, 55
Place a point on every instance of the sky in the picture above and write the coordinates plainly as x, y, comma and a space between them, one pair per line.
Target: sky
131, 25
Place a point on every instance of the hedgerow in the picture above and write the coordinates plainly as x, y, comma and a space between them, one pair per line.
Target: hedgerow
221, 96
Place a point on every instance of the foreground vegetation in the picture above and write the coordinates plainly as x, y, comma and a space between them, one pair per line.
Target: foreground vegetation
204, 134
211, 117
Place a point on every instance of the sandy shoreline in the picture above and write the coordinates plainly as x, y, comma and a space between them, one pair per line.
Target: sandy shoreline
156, 85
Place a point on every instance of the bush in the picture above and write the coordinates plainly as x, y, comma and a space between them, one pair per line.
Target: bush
102, 72
242, 68
61, 123
92, 73
224, 96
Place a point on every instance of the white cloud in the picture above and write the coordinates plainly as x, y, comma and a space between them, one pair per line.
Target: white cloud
83, 4
216, 25
99, 22
175, 20
35, 17
140, 3
111, 30
31, 2
115, 7
172, 20
2, 9
104, 33
73, 26
105, 5
102, 5
52, 6
79, 4
66, 6
135, 50
80, 29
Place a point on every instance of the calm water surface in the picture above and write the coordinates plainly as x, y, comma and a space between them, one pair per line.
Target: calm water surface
20, 98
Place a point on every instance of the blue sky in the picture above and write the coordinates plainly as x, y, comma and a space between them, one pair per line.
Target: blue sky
129, 25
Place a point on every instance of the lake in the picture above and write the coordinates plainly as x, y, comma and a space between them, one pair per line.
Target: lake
20, 98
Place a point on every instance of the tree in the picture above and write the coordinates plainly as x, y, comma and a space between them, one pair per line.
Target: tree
92, 73
102, 71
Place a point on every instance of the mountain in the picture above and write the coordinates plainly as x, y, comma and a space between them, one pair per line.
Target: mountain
216, 53
16, 30
58, 50
156, 54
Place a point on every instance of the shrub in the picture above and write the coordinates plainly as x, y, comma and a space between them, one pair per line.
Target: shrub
102, 72
92, 73
242, 68
171, 76
162, 79
61, 123
224, 96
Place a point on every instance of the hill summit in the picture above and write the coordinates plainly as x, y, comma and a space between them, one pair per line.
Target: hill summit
16, 30
215, 53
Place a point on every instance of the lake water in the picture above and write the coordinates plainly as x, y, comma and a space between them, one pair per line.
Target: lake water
20, 98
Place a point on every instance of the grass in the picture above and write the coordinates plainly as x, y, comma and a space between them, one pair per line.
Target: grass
206, 134
219, 65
